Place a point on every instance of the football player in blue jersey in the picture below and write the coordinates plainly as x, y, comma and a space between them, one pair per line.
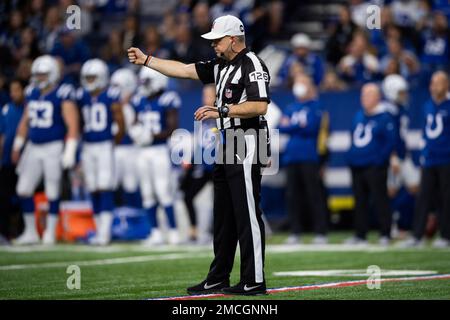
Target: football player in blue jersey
373, 141
100, 107
125, 153
157, 117
435, 161
50, 115
403, 175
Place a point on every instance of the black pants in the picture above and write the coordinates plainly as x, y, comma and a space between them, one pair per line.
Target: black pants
434, 185
193, 182
9, 204
237, 217
304, 191
370, 183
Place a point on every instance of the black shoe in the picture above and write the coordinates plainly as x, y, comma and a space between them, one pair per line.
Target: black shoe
246, 289
209, 286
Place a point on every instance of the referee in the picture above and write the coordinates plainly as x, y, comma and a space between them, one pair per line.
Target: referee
242, 97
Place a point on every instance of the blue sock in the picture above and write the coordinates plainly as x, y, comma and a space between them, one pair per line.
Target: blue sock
27, 204
54, 207
106, 201
95, 198
170, 216
132, 199
151, 213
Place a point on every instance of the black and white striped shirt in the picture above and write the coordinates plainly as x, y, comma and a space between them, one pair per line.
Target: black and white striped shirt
245, 78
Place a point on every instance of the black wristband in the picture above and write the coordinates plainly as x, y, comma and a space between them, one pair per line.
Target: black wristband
146, 60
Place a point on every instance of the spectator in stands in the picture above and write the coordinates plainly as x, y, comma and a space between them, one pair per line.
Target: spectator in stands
73, 53
407, 61
406, 13
377, 37
168, 27
183, 49
435, 45
35, 19
263, 22
23, 70
301, 120
225, 7
112, 53
28, 47
11, 36
201, 23
435, 161
311, 63
442, 6
131, 32
359, 65
341, 35
331, 82
358, 9
153, 43
50, 32
373, 140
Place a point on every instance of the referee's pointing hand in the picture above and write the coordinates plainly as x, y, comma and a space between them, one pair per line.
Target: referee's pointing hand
206, 112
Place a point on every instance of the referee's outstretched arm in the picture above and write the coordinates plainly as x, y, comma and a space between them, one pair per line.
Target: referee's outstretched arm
169, 68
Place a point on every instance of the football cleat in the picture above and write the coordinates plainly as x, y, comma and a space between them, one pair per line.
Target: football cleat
246, 289
441, 243
155, 238
208, 286
173, 237
28, 237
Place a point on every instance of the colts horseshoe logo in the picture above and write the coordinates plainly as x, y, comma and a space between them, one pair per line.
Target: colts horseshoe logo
362, 135
434, 133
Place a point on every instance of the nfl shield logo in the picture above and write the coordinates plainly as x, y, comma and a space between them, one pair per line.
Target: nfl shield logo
228, 93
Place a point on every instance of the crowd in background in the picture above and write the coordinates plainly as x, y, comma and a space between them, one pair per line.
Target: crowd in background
413, 40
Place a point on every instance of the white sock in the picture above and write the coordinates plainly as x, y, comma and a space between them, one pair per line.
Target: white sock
52, 220
97, 223
106, 219
30, 223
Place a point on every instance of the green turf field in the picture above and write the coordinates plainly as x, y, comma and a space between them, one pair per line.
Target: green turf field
130, 271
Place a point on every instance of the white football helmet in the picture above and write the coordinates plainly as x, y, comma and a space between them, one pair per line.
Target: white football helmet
45, 65
151, 81
96, 69
392, 86
125, 80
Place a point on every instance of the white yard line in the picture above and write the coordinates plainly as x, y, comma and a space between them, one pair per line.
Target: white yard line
352, 273
275, 248
101, 262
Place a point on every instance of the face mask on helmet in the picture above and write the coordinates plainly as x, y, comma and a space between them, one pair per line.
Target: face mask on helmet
395, 89
151, 82
40, 80
90, 82
45, 72
94, 75
146, 88
125, 81
299, 90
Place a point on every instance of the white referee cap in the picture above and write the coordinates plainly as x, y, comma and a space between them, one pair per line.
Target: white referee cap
225, 26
